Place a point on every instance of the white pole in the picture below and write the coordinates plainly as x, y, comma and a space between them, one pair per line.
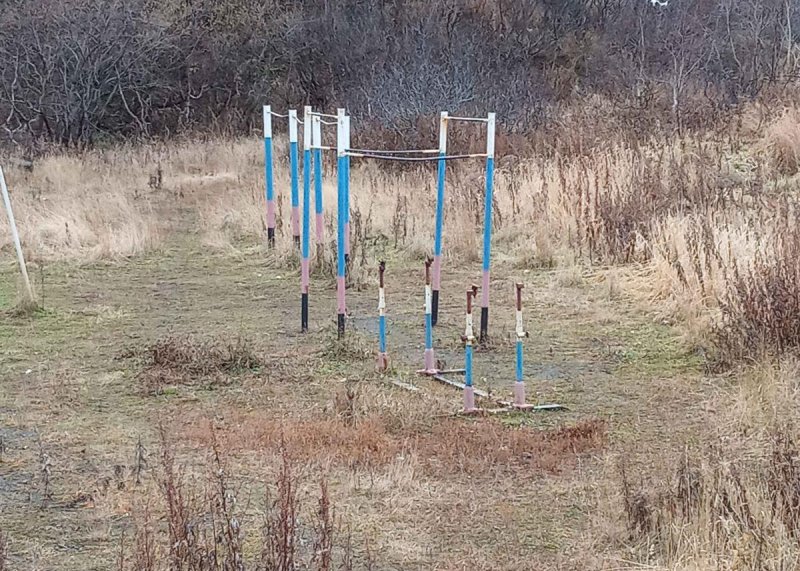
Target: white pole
15, 235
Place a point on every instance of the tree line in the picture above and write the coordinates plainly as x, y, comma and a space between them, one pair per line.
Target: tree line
80, 72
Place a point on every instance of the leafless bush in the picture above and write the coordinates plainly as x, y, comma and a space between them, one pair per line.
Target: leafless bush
760, 307
185, 360
206, 527
715, 505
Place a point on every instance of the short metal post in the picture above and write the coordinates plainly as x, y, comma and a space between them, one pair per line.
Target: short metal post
383, 356
268, 175
519, 384
469, 339
294, 182
437, 242
487, 227
304, 263
430, 360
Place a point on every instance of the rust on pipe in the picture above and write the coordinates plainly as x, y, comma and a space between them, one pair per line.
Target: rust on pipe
428, 263
381, 269
519, 295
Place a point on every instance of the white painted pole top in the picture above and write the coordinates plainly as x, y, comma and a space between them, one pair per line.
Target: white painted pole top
443, 132
316, 126
267, 122
341, 146
307, 128
490, 131
292, 125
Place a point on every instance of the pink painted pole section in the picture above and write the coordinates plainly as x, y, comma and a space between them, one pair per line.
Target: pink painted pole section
340, 303
271, 214
320, 228
485, 289
296, 222
437, 272
469, 399
519, 394
305, 279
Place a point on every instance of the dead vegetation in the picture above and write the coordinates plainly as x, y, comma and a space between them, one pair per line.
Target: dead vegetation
443, 447
187, 360
211, 527
719, 510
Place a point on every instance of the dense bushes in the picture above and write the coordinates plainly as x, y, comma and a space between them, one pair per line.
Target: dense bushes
78, 71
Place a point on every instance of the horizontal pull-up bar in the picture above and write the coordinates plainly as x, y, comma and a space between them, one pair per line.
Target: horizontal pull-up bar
279, 115
318, 114
414, 159
397, 152
471, 119
322, 148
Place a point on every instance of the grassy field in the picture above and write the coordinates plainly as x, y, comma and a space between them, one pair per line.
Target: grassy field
161, 409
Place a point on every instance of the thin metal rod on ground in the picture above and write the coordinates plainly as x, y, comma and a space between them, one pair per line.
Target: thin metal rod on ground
15, 237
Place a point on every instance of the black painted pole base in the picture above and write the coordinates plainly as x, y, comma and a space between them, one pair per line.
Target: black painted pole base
435, 307
297, 241
304, 313
271, 237
340, 326
484, 338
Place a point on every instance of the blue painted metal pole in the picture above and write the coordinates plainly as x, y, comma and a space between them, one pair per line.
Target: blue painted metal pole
437, 241
347, 197
304, 264
487, 228
320, 219
341, 152
293, 170
268, 175
383, 356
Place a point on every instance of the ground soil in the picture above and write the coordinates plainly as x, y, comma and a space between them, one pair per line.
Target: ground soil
72, 400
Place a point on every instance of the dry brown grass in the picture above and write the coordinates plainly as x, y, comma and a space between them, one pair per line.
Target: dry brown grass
187, 360
445, 447
728, 501
84, 207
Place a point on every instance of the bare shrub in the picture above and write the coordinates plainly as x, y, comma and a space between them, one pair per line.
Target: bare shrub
187, 360
716, 504
760, 306
782, 142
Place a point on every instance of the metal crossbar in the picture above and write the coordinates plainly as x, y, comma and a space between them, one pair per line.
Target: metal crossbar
318, 114
395, 152
469, 119
414, 159
279, 115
